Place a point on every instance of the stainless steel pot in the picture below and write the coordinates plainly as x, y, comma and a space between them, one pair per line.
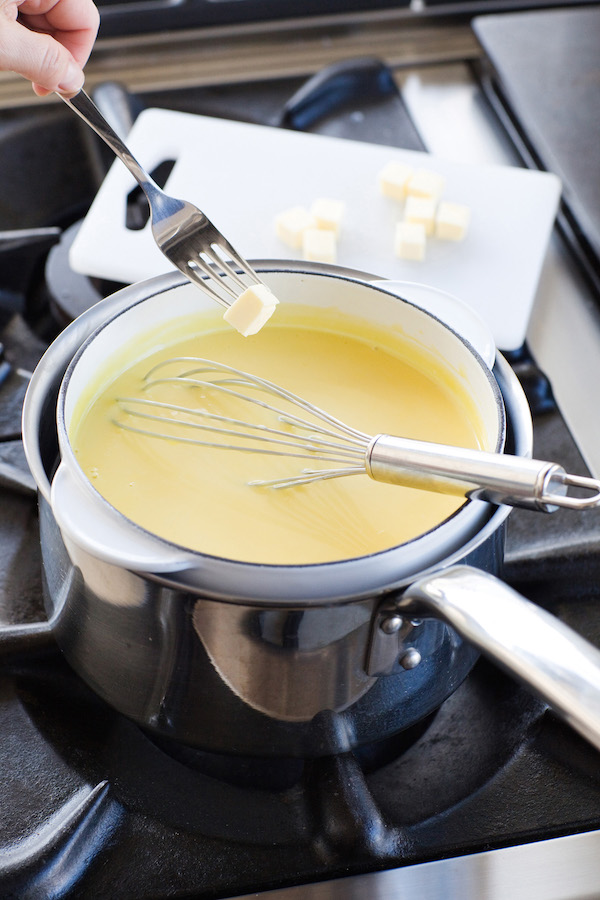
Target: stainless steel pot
285, 660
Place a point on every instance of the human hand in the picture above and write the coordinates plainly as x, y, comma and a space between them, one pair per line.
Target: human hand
48, 41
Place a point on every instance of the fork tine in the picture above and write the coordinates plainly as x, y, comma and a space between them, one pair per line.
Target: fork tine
190, 272
238, 260
223, 264
214, 276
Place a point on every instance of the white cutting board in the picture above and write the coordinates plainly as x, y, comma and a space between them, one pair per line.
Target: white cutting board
242, 175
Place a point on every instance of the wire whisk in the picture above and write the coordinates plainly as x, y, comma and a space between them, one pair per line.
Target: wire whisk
277, 422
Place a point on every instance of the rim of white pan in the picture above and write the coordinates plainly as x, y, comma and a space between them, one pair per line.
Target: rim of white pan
451, 310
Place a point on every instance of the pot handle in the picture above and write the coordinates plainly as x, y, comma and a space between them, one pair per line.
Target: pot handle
524, 639
90, 523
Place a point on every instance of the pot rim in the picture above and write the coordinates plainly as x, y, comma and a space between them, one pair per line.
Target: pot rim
105, 312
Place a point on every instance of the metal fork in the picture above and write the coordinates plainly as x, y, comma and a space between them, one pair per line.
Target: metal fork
188, 239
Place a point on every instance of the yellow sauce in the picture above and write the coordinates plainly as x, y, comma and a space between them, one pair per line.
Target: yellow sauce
200, 498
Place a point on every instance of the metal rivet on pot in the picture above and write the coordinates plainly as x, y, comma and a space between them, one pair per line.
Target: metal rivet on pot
410, 659
391, 624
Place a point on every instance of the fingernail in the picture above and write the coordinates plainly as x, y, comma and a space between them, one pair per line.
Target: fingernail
72, 80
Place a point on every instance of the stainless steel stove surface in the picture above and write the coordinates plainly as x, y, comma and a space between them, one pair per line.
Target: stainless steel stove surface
491, 796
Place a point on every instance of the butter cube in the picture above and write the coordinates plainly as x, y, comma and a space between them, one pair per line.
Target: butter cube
291, 224
410, 240
420, 211
452, 221
328, 214
424, 183
393, 179
249, 312
319, 245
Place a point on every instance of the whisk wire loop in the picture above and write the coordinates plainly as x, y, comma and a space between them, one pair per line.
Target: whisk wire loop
306, 445
254, 381
317, 435
308, 438
311, 428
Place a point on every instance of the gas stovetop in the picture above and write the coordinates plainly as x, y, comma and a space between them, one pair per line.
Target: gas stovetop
91, 805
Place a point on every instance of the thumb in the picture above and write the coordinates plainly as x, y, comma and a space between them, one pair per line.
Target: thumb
40, 59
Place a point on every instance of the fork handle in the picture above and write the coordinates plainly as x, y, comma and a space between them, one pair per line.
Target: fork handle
84, 106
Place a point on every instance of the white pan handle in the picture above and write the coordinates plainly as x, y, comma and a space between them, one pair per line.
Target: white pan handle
528, 642
91, 524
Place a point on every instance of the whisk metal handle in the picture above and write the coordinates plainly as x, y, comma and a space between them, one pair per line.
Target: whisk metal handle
499, 478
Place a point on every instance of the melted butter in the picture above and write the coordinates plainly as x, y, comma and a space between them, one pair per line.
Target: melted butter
199, 497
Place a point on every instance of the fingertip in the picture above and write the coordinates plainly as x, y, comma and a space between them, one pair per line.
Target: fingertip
72, 80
